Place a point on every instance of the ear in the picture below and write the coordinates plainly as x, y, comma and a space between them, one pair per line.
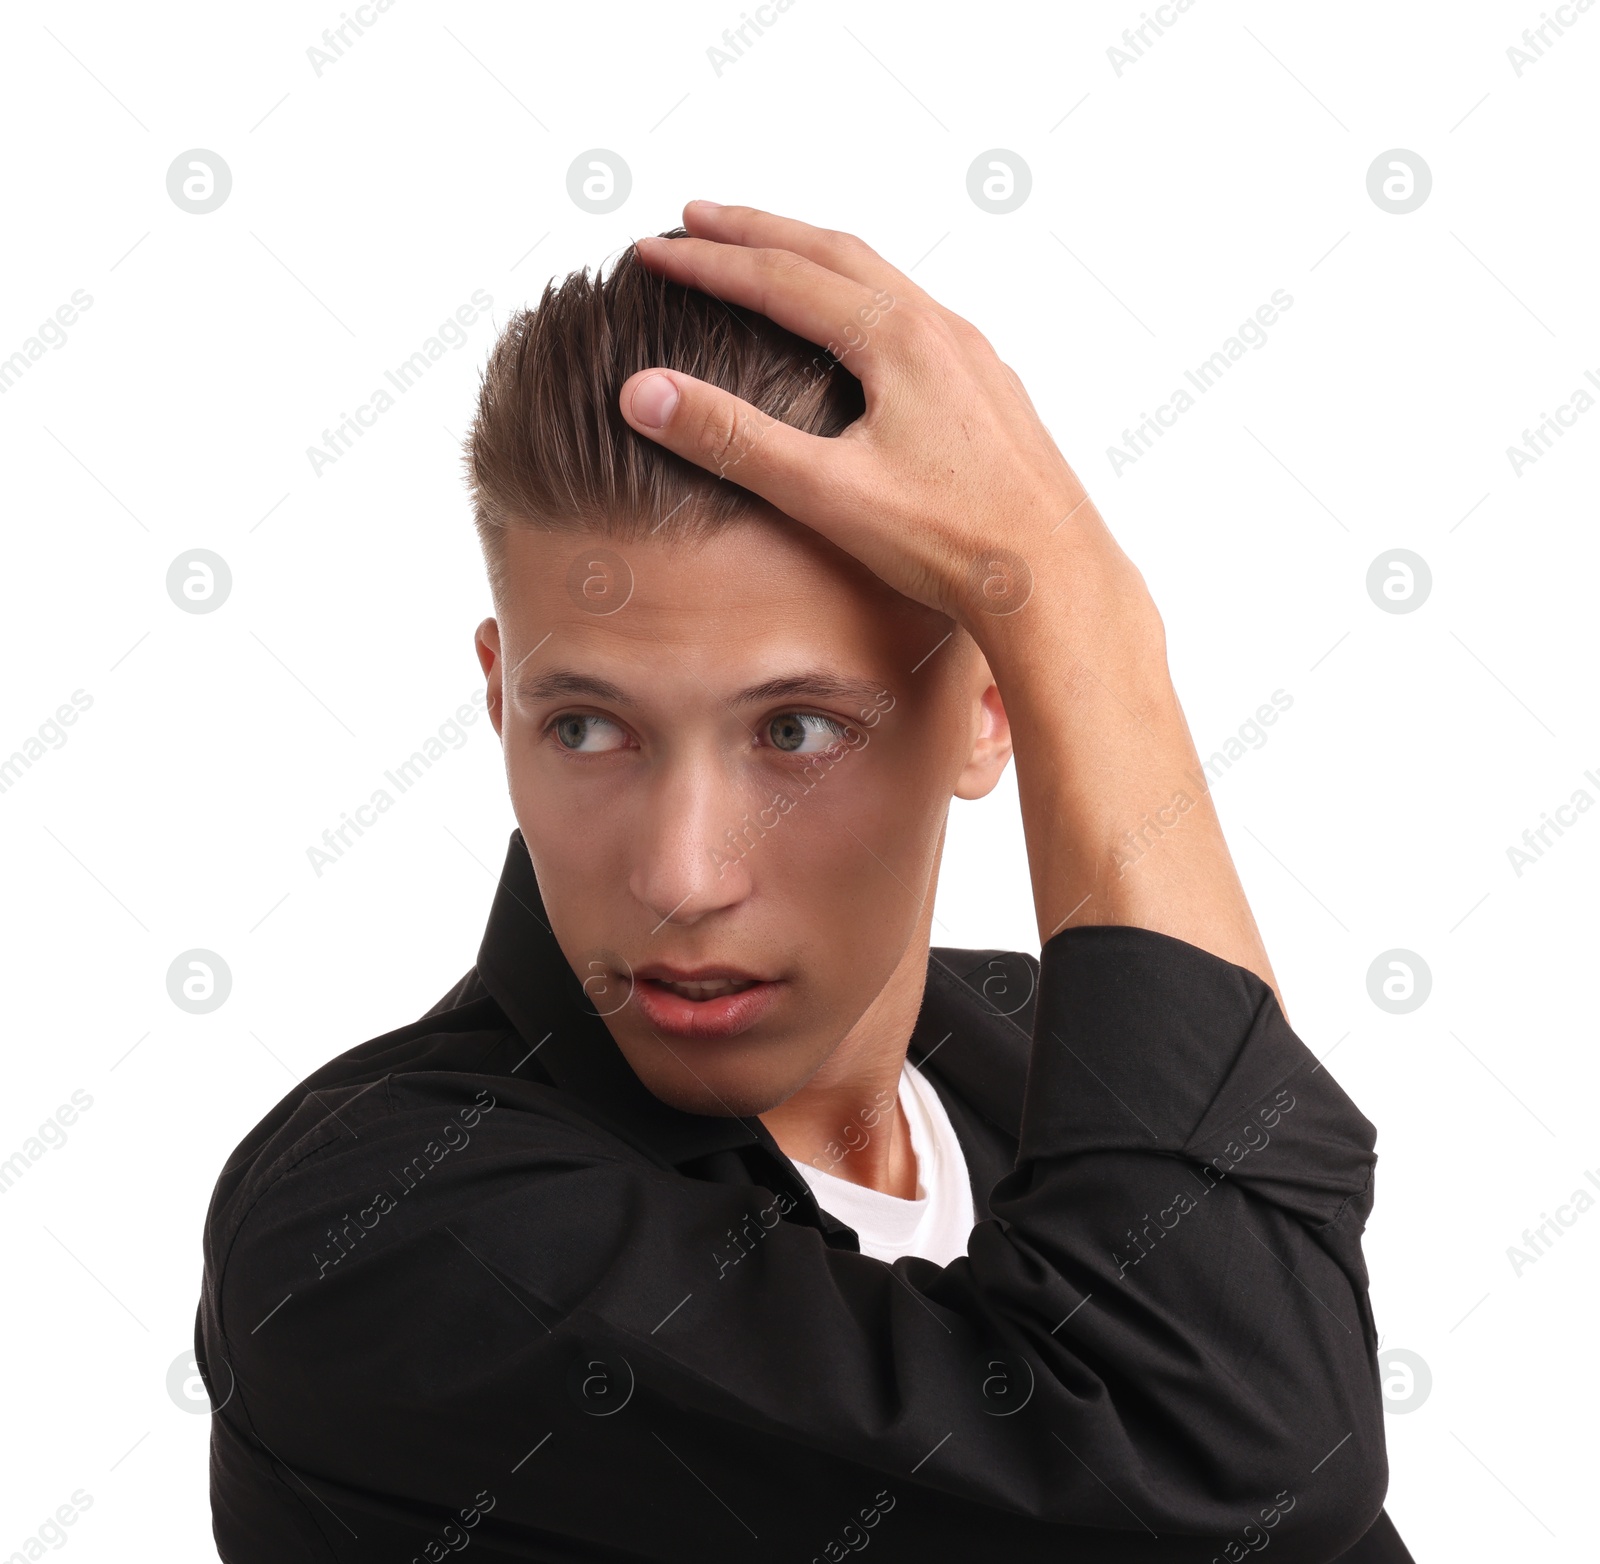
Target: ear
991, 734
487, 644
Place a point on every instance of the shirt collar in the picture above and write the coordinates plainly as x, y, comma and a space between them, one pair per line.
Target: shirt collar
959, 1039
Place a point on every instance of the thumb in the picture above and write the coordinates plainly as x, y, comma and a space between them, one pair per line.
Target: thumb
733, 439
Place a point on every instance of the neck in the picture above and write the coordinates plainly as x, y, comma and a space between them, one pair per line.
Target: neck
847, 1120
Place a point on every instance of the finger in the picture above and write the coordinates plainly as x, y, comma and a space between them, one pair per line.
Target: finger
795, 471
847, 317
840, 252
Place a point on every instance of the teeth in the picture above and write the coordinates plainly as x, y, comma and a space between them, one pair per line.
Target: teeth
711, 989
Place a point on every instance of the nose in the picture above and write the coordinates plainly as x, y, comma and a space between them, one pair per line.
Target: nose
692, 838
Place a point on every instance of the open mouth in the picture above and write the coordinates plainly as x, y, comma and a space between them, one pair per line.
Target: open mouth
712, 988
704, 1007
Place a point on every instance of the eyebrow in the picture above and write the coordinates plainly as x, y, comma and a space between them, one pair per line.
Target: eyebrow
812, 683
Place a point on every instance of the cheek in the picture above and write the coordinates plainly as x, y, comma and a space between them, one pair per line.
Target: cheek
580, 849
564, 805
860, 834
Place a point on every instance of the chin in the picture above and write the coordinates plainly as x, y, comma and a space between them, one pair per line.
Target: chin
701, 1090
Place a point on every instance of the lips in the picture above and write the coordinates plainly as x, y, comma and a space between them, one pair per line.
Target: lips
703, 1002
705, 988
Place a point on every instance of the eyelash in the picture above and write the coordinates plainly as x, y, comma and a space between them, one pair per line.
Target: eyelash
548, 732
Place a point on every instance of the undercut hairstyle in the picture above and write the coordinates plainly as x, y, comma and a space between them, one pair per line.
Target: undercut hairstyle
549, 446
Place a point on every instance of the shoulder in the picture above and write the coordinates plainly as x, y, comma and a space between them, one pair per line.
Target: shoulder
348, 1183
346, 1109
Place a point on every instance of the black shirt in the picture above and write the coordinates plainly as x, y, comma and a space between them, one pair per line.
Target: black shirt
472, 1285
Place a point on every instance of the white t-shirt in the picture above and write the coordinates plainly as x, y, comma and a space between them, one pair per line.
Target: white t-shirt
937, 1223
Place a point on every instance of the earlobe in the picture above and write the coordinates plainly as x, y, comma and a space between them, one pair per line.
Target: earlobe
486, 642
991, 746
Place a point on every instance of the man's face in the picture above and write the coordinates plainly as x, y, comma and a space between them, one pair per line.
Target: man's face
677, 815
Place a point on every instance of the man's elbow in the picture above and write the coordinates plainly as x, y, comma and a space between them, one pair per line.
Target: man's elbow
1340, 1503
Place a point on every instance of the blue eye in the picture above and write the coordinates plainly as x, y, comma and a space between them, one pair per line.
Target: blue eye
790, 729
575, 728
790, 732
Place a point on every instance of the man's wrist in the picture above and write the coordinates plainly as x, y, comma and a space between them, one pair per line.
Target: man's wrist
1077, 612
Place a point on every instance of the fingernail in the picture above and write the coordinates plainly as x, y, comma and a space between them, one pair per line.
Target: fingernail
653, 400
710, 206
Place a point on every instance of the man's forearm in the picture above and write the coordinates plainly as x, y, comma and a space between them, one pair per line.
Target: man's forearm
1119, 821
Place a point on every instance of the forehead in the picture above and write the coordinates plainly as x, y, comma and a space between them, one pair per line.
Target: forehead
764, 590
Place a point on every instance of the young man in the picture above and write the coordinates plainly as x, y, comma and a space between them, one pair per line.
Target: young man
713, 1215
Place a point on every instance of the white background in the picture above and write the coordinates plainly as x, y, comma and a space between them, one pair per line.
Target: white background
1167, 203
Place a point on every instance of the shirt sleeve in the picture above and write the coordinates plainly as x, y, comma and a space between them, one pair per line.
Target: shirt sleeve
1163, 1328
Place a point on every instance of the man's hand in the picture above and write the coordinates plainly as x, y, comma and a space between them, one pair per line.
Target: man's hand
950, 489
